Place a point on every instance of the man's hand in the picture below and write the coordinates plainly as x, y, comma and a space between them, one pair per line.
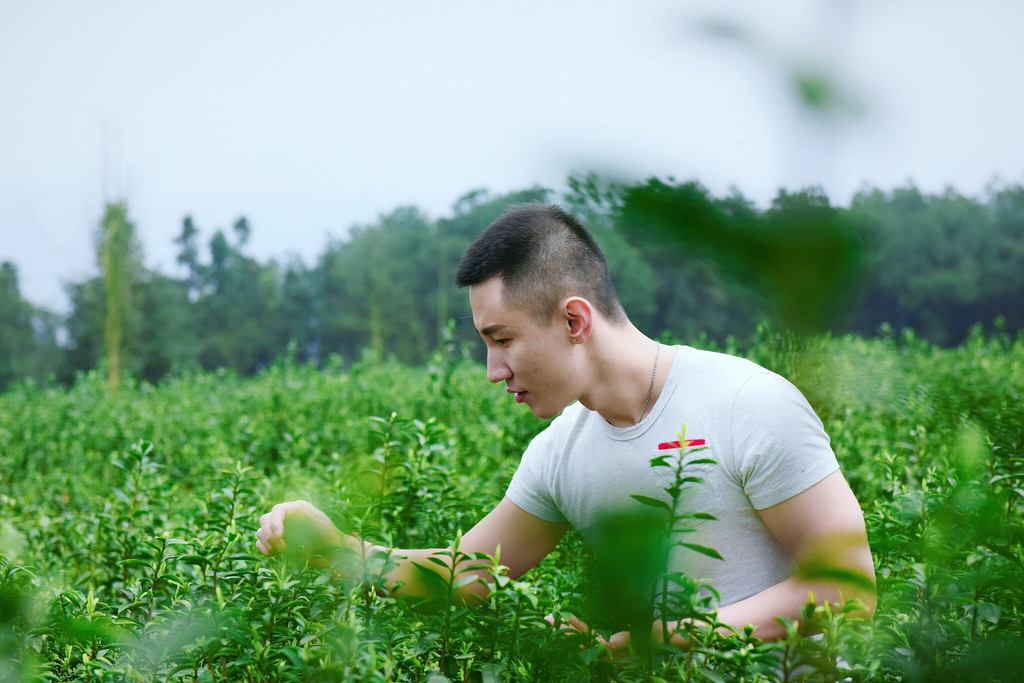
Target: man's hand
618, 644
298, 526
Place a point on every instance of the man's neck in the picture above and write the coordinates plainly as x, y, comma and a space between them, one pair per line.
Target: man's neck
624, 383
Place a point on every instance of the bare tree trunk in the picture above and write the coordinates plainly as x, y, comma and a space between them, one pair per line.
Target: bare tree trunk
115, 259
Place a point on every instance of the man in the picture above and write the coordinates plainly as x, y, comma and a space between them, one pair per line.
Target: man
558, 337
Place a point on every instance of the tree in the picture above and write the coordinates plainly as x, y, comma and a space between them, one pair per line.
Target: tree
296, 318
1003, 293
941, 263
166, 341
119, 263
188, 255
28, 335
374, 287
236, 306
15, 328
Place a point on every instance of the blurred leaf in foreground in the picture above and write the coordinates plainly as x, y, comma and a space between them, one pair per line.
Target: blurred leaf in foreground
804, 256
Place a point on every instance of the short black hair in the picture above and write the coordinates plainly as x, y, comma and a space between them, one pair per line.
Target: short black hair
542, 254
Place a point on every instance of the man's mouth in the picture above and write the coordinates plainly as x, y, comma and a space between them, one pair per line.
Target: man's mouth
520, 396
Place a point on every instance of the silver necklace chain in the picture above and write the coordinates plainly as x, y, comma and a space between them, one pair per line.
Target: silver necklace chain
650, 389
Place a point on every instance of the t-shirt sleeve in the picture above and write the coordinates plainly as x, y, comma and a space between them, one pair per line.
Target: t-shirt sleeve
780, 444
530, 488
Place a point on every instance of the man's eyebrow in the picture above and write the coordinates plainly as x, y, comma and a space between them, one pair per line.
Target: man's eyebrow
491, 329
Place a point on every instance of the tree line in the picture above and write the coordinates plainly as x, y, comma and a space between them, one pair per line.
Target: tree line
686, 264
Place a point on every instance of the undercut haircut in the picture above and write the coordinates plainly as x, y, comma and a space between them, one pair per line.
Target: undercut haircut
542, 254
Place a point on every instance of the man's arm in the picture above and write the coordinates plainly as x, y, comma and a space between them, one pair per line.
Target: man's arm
823, 528
524, 541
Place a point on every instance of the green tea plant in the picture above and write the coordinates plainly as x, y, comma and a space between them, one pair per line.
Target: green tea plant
674, 596
127, 526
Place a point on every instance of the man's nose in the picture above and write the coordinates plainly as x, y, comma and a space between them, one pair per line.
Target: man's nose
497, 370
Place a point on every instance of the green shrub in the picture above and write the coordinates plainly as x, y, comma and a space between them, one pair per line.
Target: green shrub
127, 525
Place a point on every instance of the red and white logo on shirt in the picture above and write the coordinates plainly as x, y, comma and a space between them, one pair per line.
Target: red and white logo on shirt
675, 445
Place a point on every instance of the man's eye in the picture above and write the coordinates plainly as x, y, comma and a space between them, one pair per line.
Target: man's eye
502, 342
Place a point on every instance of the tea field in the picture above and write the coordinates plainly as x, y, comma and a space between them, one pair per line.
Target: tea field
127, 525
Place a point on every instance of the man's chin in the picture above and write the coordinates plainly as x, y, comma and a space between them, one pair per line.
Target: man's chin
544, 412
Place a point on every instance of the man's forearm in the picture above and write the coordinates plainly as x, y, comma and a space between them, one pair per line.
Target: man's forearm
403, 572
786, 600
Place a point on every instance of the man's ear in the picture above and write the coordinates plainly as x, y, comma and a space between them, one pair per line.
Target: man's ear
578, 316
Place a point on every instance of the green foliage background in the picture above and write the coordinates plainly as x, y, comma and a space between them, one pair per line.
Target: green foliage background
682, 259
127, 522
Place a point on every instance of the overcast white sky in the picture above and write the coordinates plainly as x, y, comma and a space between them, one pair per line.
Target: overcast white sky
309, 117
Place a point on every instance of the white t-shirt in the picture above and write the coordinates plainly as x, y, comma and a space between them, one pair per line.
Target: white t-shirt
766, 441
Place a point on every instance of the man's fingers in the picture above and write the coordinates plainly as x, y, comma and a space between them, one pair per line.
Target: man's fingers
270, 535
277, 516
266, 524
613, 647
577, 624
618, 643
269, 527
268, 545
571, 622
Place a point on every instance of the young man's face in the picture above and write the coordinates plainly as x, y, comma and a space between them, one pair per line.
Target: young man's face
532, 359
